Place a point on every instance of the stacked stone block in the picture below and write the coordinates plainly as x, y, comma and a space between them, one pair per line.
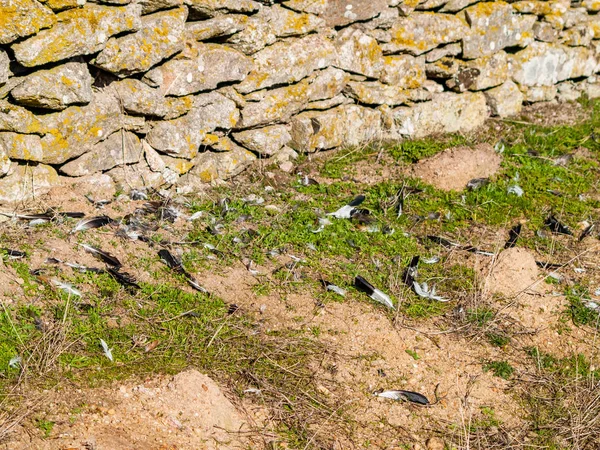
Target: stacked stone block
146, 93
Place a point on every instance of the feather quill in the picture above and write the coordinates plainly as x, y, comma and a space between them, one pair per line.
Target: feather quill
103, 256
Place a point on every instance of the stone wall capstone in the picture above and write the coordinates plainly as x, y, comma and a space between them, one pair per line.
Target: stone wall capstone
179, 93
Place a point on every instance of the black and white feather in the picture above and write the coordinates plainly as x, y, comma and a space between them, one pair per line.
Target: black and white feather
103, 256
364, 286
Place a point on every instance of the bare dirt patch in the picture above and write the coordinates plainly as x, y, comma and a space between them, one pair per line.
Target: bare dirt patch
453, 168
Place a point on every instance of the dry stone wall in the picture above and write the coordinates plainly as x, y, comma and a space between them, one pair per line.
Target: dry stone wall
146, 93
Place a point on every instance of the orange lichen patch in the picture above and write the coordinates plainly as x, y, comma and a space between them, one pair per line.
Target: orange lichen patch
21, 18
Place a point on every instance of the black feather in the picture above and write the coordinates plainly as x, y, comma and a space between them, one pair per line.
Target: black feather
588, 230
93, 222
442, 241
171, 261
363, 285
548, 265
513, 236
414, 397
72, 215
103, 256
411, 272
556, 227
123, 278
357, 201
13, 254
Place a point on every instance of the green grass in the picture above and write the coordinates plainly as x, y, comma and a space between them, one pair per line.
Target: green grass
500, 369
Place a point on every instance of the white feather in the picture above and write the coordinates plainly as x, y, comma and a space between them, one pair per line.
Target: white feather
338, 290
68, 288
107, 351
383, 298
422, 290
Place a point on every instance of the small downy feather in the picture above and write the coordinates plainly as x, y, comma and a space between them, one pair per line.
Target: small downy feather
93, 222
107, 351
407, 396
103, 256
423, 290
364, 286
68, 288
513, 236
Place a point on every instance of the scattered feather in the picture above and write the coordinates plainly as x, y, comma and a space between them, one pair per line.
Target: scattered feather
442, 241
407, 396
333, 288
364, 286
13, 254
423, 290
516, 190
555, 276
589, 304
93, 222
432, 260
411, 272
345, 212
471, 249
136, 194
587, 231
196, 216
513, 236
37, 222
499, 147
477, 183
548, 265
175, 264
68, 288
563, 160
556, 226
103, 256
123, 278
107, 351
15, 362
579, 270
97, 203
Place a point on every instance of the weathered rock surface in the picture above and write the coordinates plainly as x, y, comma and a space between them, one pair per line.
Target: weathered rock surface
4, 67
276, 105
345, 125
80, 31
376, 93
210, 166
338, 13
543, 64
494, 26
22, 18
74, 131
18, 119
288, 62
182, 137
56, 88
264, 141
327, 84
481, 73
161, 35
255, 36
26, 182
404, 71
150, 6
122, 147
286, 23
27, 147
5, 162
358, 53
421, 32
139, 98
505, 100
210, 8
61, 5
446, 113
200, 67
219, 26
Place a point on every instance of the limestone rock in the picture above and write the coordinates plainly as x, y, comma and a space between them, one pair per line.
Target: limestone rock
161, 35
327, 83
542, 8
182, 137
72, 132
139, 176
255, 36
456, 5
264, 141
579, 35
4, 67
25, 147
61, 5
421, 32
209, 166
56, 88
345, 125
545, 32
329, 103
339, 13
358, 53
277, 105
177, 165
150, 6
219, 26
122, 147
310, 6
505, 100
210, 8
494, 26
543, 64
80, 31
286, 23
376, 93
200, 67
568, 91
18, 119
404, 71
98, 185
594, 25
288, 61
139, 98
5, 163
21, 18
446, 113
534, 94
591, 5
481, 73
26, 182
436, 54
